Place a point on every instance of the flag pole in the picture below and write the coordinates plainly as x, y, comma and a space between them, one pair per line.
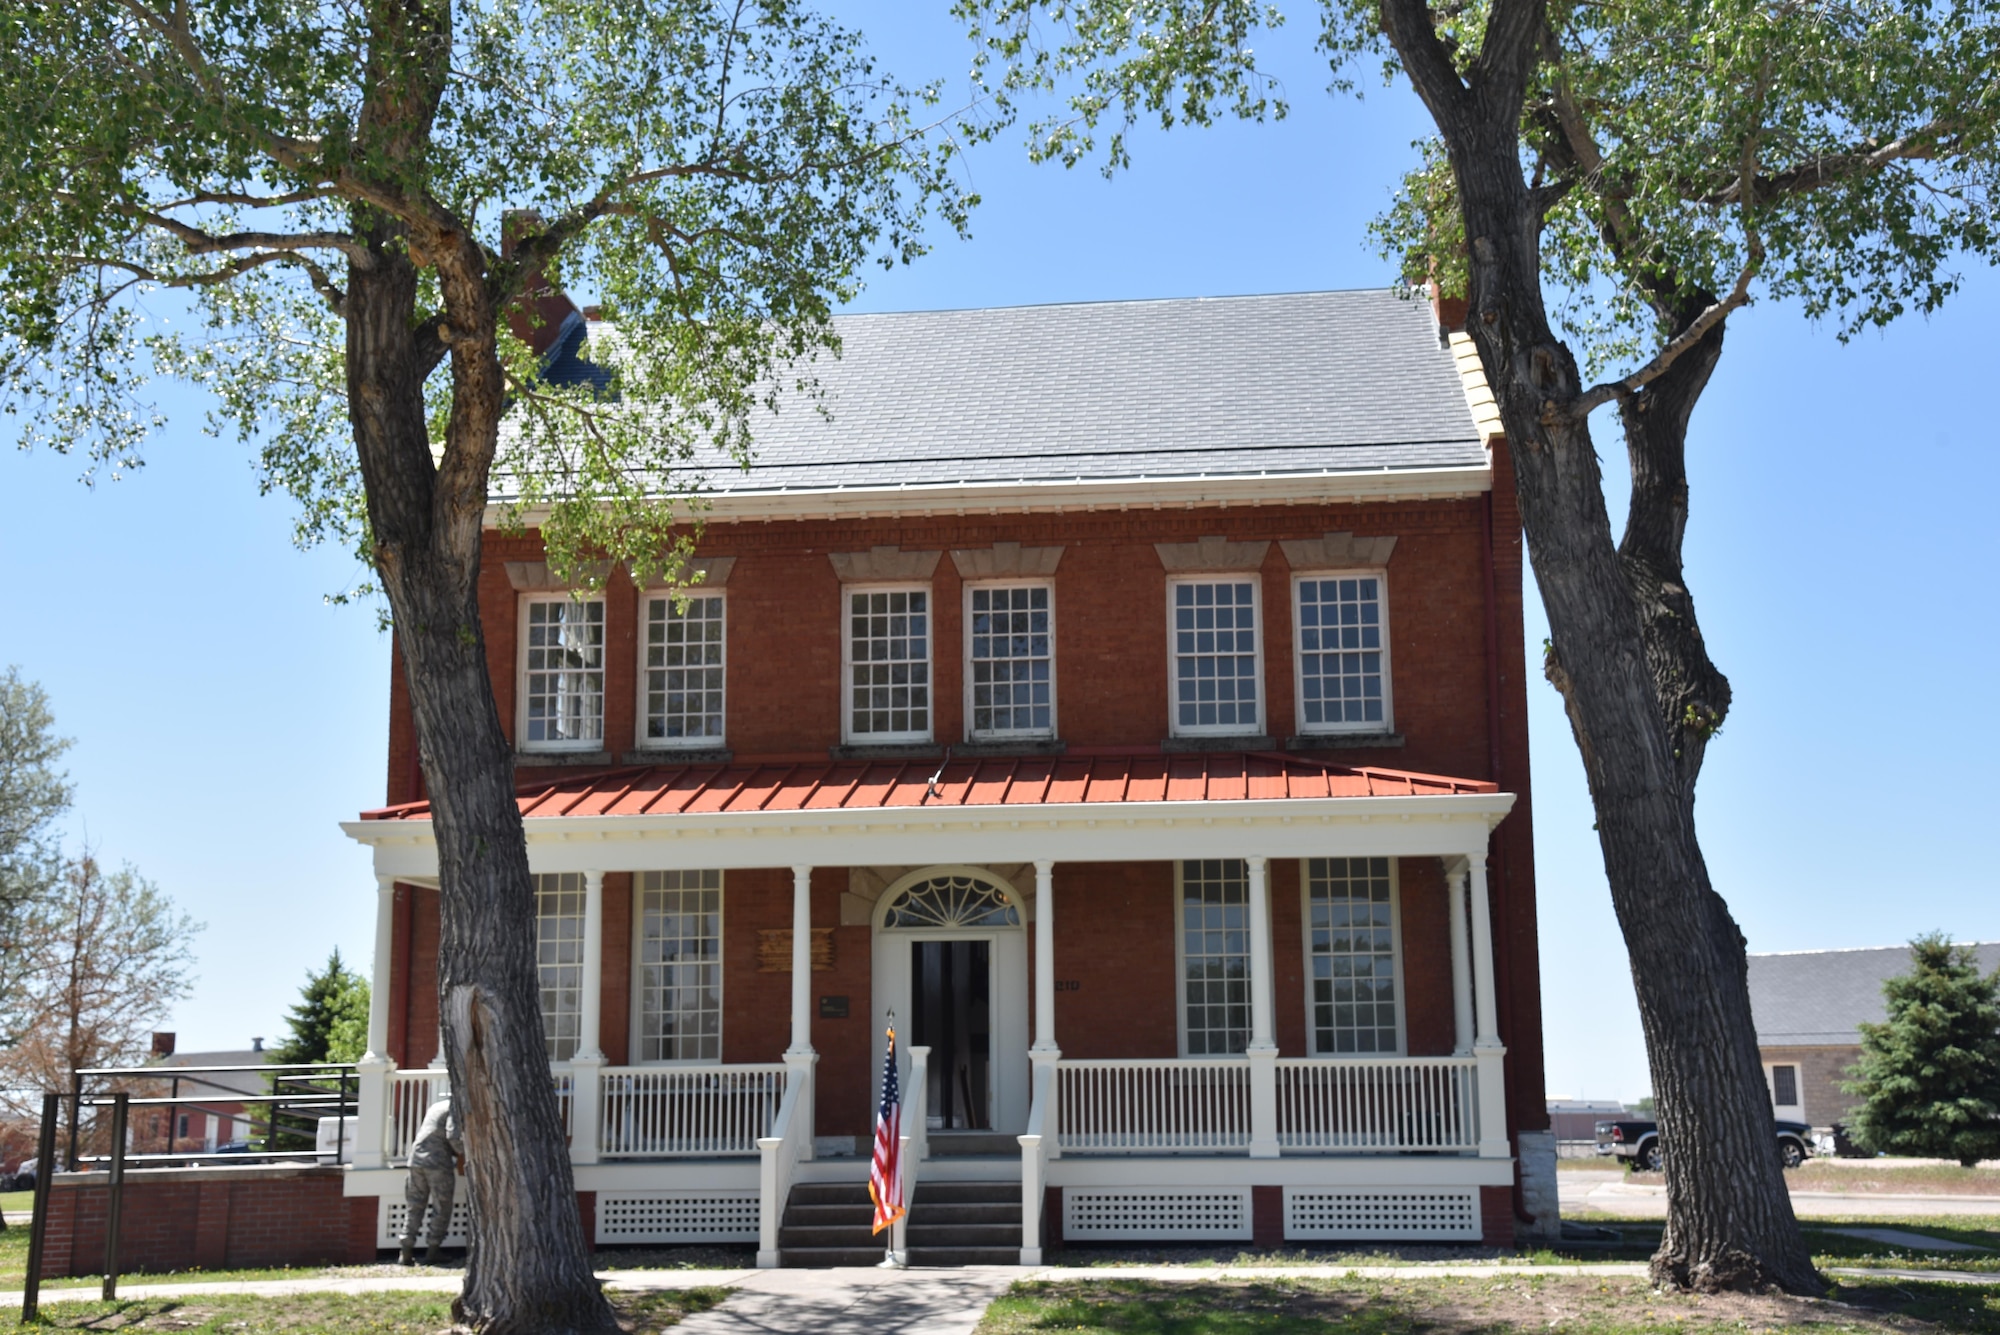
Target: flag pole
894, 1138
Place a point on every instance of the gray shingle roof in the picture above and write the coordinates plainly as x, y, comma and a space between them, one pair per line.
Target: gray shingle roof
1818, 997
1302, 383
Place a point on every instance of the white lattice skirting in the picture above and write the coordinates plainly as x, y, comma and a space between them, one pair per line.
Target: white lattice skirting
1092, 1214
677, 1216
1408, 1216
395, 1211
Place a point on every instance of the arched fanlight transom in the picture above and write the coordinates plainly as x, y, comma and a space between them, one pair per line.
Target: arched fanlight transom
952, 901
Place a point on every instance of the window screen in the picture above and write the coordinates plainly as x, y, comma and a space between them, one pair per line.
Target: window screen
559, 959
1011, 645
680, 966
1785, 1086
1351, 951
1215, 656
889, 662
1341, 653
1215, 956
684, 646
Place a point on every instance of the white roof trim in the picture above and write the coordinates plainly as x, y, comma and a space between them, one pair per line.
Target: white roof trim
1478, 394
1308, 488
1443, 825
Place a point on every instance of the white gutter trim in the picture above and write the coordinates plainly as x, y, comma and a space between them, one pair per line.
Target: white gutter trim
1076, 494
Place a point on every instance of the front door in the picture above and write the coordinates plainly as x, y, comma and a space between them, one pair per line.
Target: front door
951, 973
951, 1013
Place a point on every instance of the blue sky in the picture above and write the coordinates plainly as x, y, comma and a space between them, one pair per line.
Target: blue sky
226, 719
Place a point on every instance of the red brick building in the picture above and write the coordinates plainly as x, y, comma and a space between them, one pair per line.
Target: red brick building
1130, 698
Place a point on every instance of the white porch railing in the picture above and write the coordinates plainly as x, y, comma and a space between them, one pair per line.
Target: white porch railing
789, 1142
1383, 1105
670, 1111
411, 1093
1153, 1106
1036, 1143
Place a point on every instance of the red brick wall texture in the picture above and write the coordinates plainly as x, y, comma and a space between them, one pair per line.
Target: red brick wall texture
1459, 682
211, 1223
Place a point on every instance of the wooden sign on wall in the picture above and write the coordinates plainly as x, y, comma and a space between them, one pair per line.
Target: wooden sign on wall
774, 950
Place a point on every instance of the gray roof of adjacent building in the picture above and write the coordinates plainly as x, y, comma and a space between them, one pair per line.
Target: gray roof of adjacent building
1293, 385
1819, 998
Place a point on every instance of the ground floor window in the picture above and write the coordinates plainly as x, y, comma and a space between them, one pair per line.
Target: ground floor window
680, 966
559, 960
1785, 1086
1215, 957
1351, 955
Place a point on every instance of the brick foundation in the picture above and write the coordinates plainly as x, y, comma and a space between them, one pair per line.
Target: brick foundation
182, 1219
1496, 1216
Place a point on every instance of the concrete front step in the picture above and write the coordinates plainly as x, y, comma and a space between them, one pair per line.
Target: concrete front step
952, 1144
820, 1258
962, 1256
965, 1235
969, 1193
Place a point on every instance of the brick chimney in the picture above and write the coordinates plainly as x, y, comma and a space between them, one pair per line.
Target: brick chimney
163, 1045
550, 307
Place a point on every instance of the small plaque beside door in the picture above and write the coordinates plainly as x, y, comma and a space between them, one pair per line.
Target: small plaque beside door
833, 1008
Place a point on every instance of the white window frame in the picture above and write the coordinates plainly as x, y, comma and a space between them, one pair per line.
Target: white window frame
1388, 721
1798, 1085
521, 742
640, 740
1175, 728
973, 734
637, 1019
1395, 946
847, 733
1180, 962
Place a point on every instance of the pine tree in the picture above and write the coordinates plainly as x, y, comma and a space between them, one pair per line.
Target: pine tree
330, 1023
1929, 1076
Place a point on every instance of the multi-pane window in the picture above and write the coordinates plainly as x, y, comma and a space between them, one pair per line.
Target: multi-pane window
1215, 657
1785, 1086
1351, 955
889, 665
1010, 655
1215, 956
559, 960
680, 966
1343, 654
563, 672
683, 670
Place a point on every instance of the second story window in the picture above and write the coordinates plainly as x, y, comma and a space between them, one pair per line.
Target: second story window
1216, 662
888, 665
562, 673
1343, 649
682, 671
1010, 660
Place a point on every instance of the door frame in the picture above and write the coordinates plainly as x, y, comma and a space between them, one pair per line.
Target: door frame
1007, 962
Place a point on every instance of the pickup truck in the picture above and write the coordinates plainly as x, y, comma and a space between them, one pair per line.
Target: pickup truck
1636, 1142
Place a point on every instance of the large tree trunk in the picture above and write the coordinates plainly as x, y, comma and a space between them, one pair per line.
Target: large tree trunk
528, 1269
1626, 655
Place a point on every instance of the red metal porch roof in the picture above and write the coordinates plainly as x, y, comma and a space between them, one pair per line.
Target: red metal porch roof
794, 784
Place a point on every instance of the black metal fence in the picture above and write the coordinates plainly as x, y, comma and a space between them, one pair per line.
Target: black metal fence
289, 1108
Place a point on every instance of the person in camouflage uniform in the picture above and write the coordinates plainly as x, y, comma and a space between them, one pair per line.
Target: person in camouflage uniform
433, 1181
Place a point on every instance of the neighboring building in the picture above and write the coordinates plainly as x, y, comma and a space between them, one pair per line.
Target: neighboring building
1809, 1006
1130, 698
1577, 1119
222, 1118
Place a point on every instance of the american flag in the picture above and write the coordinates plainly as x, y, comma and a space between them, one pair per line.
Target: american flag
885, 1171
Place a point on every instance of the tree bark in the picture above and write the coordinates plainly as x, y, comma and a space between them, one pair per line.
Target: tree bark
1641, 696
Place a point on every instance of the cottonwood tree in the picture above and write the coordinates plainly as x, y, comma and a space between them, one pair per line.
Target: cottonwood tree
1652, 165
323, 188
103, 955
34, 793
1929, 1074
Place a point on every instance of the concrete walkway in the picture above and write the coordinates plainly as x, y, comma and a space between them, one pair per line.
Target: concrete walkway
1610, 1193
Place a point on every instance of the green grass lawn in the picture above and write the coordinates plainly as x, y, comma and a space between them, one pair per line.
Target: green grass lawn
1639, 1238
10, 1201
1497, 1306
336, 1314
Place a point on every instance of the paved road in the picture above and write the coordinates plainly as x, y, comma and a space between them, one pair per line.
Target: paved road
1610, 1193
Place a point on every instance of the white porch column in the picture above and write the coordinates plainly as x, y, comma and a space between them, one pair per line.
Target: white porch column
1263, 1050
1045, 958
1461, 960
371, 1073
586, 1067
800, 1056
1486, 1045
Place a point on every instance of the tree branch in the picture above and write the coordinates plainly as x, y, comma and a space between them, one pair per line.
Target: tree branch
1868, 156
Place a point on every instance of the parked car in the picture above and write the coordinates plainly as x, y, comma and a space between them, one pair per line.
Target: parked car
1635, 1142
21, 1179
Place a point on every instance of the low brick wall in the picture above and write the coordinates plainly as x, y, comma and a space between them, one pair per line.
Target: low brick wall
184, 1218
